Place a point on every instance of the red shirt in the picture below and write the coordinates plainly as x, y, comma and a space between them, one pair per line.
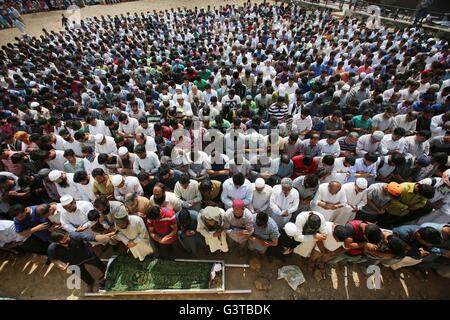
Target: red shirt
162, 226
300, 166
166, 132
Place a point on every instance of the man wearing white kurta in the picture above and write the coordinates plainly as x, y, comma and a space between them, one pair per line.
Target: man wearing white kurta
133, 233
98, 126
341, 169
284, 201
310, 228
188, 192
104, 144
74, 214
261, 196
356, 194
123, 185
329, 200
146, 161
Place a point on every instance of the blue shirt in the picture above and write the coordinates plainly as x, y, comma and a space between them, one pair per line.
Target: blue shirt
406, 233
268, 232
418, 106
444, 246
360, 166
230, 192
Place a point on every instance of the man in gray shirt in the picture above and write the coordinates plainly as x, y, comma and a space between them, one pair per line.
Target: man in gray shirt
306, 187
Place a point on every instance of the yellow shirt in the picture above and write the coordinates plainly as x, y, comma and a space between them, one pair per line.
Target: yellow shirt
105, 188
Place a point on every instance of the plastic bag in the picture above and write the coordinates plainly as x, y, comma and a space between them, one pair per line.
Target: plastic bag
292, 274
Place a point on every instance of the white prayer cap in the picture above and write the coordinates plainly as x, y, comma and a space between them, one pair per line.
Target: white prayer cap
178, 87
290, 229
148, 83
165, 98
361, 183
116, 180
122, 151
34, 104
66, 199
84, 96
378, 135
32, 83
99, 137
54, 175
362, 75
345, 87
179, 96
260, 183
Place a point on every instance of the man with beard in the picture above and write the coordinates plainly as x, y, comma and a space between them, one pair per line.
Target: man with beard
238, 224
164, 198
132, 232
64, 183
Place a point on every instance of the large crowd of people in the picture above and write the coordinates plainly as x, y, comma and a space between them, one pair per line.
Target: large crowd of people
261, 128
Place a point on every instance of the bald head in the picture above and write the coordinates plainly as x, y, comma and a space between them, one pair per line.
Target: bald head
334, 187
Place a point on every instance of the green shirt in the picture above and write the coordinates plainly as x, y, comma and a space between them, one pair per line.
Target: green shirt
252, 105
225, 125
204, 75
358, 122
409, 200
201, 84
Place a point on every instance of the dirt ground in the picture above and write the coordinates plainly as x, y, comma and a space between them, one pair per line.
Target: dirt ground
27, 277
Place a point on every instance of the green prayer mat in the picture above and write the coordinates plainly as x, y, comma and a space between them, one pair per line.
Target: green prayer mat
129, 274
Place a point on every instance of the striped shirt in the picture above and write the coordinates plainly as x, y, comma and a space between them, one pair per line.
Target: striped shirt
162, 225
279, 112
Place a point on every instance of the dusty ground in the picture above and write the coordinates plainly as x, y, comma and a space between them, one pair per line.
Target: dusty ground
27, 277
52, 20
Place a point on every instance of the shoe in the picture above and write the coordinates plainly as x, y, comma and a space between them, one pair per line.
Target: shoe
47, 262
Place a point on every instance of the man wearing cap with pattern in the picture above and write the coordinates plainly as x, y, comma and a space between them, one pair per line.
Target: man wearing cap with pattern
133, 233
238, 224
